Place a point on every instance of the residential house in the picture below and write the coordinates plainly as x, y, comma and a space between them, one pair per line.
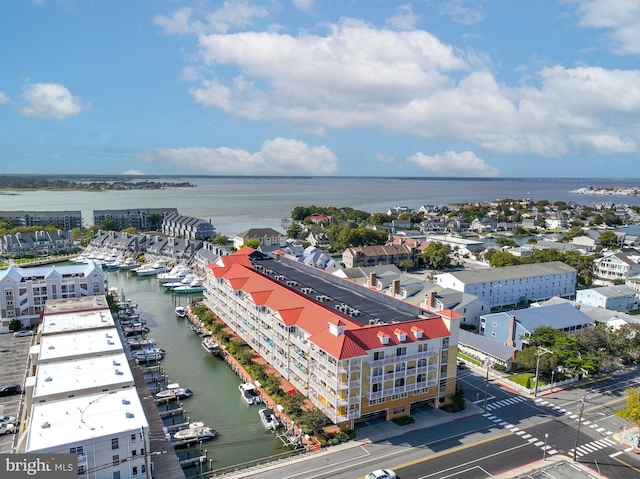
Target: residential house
269, 238
615, 298
373, 255
469, 307
38, 243
485, 350
620, 265
514, 328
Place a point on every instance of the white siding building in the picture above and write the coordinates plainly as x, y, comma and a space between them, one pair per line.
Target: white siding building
616, 298
26, 290
511, 285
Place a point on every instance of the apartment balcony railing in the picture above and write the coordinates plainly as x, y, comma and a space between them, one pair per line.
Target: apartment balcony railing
407, 357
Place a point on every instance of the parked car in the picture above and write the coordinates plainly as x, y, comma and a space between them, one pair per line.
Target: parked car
10, 389
381, 474
461, 364
22, 333
7, 429
8, 420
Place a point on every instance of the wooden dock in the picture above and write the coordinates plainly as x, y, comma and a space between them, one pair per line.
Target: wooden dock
164, 460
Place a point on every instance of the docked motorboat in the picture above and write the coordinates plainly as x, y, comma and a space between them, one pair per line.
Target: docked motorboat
269, 420
249, 393
150, 269
181, 311
210, 345
176, 274
181, 282
196, 286
174, 391
196, 431
140, 342
148, 354
134, 329
128, 263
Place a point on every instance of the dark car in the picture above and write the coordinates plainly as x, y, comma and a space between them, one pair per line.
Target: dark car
10, 390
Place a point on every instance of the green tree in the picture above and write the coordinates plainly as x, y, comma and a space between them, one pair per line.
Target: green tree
108, 225
504, 258
221, 240
252, 243
504, 241
14, 325
437, 255
311, 421
294, 231
131, 230
154, 221
608, 239
405, 264
631, 412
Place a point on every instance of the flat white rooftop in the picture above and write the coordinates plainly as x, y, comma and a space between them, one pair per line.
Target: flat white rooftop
70, 346
76, 321
57, 424
69, 305
59, 380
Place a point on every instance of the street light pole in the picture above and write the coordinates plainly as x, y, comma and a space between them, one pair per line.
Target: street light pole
544, 451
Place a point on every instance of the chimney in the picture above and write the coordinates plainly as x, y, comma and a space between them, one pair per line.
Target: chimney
512, 331
372, 280
395, 287
431, 300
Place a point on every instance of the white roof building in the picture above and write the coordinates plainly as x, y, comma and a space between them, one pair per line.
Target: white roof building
61, 380
76, 321
107, 431
73, 346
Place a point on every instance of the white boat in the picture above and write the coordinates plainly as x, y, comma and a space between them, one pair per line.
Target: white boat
181, 311
249, 393
195, 286
269, 419
210, 345
176, 274
140, 343
196, 431
150, 269
174, 391
128, 263
183, 282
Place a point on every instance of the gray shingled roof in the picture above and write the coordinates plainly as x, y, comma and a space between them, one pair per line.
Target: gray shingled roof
486, 345
511, 272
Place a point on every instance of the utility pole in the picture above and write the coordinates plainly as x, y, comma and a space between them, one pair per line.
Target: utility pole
486, 383
539, 352
575, 446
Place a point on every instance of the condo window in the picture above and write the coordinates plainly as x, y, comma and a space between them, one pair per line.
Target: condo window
114, 443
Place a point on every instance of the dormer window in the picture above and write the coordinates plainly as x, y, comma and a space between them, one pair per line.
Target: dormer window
401, 335
417, 332
384, 337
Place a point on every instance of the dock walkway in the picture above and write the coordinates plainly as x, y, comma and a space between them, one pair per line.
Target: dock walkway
164, 460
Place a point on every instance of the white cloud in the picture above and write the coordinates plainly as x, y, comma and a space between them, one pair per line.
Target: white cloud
179, 23
279, 156
450, 163
380, 158
133, 172
621, 18
51, 100
304, 5
405, 19
408, 82
4, 98
231, 14
466, 12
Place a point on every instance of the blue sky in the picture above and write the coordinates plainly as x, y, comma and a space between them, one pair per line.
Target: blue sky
430, 88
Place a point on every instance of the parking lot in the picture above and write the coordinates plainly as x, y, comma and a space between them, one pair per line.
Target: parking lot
14, 353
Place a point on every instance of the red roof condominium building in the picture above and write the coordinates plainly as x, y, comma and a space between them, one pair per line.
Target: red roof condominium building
355, 353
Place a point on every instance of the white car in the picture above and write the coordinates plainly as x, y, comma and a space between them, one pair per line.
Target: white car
7, 420
7, 429
22, 333
381, 474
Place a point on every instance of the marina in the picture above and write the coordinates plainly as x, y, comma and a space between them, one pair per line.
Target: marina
240, 436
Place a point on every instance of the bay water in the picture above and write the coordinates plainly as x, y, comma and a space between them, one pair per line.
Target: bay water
236, 204
216, 400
